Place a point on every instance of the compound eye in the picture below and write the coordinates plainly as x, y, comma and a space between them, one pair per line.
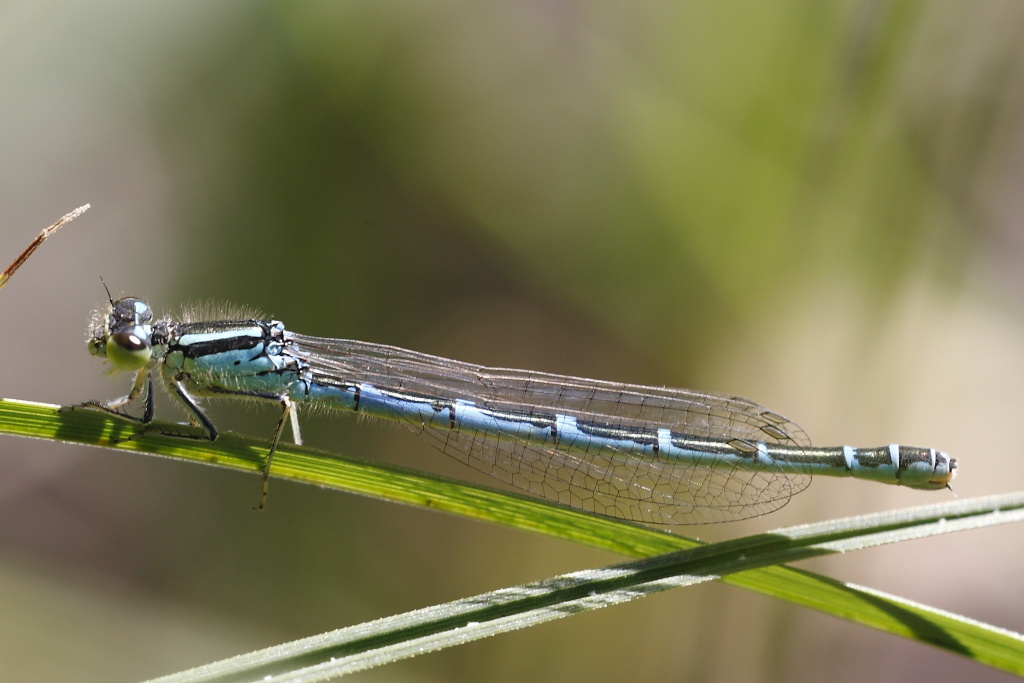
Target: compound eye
129, 350
129, 342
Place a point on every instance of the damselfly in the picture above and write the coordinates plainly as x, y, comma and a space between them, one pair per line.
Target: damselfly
650, 454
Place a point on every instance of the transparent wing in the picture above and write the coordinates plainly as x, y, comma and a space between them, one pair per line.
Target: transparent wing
609, 481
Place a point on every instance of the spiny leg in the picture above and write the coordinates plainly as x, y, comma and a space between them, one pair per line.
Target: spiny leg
143, 379
287, 411
195, 414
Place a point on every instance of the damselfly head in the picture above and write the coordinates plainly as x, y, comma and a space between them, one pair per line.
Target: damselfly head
121, 332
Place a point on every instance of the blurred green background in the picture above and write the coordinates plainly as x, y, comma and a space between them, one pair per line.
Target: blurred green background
816, 205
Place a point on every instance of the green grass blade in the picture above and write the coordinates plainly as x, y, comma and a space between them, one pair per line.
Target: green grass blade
387, 640
387, 482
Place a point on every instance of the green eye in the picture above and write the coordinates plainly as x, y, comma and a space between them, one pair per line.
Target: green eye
128, 350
